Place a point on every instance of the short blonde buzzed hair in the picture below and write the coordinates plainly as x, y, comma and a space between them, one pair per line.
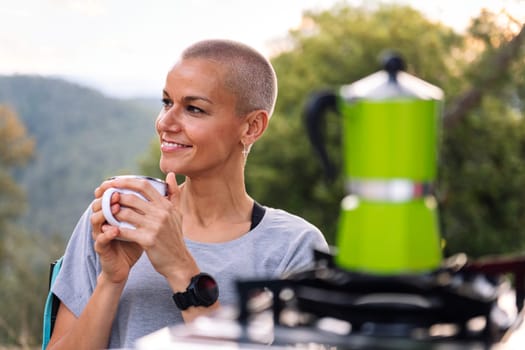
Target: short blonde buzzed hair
249, 75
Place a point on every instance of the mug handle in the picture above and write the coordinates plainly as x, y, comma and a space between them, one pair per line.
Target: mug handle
106, 209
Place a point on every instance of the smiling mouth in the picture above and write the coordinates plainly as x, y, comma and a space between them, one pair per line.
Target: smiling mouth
174, 145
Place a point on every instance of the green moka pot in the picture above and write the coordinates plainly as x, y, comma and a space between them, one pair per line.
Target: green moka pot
388, 222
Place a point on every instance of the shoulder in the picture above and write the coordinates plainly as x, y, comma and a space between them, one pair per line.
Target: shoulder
288, 241
279, 223
280, 217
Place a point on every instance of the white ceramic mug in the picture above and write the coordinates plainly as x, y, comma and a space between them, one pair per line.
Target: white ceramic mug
158, 184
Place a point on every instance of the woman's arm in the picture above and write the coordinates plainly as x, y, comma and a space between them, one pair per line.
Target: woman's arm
92, 329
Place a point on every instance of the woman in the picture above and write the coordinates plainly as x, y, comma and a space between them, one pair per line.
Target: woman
217, 102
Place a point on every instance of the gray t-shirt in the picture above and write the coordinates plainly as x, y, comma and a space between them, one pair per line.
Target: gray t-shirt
281, 243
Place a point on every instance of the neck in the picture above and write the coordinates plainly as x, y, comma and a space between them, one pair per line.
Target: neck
215, 208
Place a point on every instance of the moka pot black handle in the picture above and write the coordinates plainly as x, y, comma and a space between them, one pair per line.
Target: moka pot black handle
318, 104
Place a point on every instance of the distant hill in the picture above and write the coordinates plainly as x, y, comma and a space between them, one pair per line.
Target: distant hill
81, 138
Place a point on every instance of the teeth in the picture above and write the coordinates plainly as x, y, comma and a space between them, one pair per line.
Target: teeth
173, 144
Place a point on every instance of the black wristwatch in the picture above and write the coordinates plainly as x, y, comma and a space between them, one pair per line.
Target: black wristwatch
202, 291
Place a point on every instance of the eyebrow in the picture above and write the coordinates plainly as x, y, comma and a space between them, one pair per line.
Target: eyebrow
188, 99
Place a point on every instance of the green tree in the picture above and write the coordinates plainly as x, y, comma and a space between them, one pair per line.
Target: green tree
24, 280
333, 48
481, 182
24, 255
16, 148
483, 172
482, 208
481, 177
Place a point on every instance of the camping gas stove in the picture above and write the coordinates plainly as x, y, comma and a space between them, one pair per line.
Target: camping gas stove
461, 303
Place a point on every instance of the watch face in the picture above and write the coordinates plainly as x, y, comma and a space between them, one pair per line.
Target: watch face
207, 289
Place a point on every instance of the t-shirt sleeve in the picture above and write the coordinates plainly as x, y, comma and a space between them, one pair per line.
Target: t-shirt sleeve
290, 242
300, 255
78, 276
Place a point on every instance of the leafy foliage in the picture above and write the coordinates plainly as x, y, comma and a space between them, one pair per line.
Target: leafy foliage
482, 182
481, 170
16, 148
24, 279
335, 48
18, 274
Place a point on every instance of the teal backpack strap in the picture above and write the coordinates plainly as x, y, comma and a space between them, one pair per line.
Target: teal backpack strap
51, 306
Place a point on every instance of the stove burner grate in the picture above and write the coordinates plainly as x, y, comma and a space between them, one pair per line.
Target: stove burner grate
460, 300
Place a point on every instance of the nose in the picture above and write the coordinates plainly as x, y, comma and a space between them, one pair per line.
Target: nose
167, 120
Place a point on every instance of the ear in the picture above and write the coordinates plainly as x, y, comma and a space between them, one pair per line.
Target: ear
256, 124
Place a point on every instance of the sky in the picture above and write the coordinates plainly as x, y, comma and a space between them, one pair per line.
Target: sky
124, 48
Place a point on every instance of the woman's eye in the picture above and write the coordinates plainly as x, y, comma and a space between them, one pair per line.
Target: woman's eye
194, 109
167, 103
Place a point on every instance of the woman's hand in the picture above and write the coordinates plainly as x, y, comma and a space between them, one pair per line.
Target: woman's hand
116, 256
158, 228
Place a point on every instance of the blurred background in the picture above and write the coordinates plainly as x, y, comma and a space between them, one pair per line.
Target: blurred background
80, 88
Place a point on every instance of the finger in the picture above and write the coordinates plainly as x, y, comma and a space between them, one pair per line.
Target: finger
109, 231
97, 218
103, 239
131, 201
99, 230
96, 205
99, 191
129, 215
132, 235
173, 187
140, 185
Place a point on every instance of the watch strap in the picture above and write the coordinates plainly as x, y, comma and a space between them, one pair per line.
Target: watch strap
194, 297
184, 300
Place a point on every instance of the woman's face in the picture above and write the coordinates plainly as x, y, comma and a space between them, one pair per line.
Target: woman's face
198, 129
